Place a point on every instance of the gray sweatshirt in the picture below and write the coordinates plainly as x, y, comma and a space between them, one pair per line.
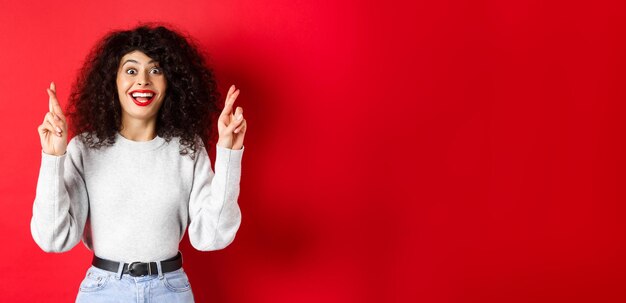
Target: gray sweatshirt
134, 200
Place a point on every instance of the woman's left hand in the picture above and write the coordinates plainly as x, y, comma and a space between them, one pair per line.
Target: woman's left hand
231, 127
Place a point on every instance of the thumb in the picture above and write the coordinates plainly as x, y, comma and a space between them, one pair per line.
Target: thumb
236, 122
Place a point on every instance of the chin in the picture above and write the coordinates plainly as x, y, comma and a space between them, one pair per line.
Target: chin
142, 113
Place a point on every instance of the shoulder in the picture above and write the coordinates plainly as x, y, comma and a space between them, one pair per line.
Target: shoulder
81, 143
199, 147
80, 140
77, 142
198, 141
77, 149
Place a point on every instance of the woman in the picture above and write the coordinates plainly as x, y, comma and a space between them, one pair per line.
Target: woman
137, 174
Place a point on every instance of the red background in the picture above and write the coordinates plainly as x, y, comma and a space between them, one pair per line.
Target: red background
432, 151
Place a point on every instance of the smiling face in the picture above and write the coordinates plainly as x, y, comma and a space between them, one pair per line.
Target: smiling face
141, 87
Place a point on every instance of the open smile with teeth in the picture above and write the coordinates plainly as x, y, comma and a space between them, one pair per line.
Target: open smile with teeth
142, 98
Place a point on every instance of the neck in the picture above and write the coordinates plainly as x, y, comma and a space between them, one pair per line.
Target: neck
138, 130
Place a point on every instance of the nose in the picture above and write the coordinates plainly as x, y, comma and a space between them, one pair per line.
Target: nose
143, 79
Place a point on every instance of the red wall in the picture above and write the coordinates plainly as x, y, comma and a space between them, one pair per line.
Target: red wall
433, 151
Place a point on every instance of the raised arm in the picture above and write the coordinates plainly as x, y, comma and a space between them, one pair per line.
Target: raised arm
61, 207
213, 209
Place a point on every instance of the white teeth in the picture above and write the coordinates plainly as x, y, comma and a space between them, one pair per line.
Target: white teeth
142, 95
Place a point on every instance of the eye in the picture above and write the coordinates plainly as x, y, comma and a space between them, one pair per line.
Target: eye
131, 71
156, 70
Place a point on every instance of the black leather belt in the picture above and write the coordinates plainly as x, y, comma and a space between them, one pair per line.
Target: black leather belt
138, 269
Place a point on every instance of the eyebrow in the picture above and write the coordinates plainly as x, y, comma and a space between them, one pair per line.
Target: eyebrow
135, 61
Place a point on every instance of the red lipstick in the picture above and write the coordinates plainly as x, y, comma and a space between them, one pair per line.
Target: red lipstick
143, 96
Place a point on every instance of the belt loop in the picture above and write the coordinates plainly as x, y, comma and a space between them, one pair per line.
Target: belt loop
159, 269
120, 271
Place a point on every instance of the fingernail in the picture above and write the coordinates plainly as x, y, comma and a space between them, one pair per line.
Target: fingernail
59, 134
240, 116
58, 129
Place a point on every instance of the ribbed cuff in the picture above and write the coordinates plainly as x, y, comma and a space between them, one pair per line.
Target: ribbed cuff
230, 157
51, 171
52, 162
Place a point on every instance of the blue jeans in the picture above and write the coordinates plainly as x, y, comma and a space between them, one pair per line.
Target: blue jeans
104, 286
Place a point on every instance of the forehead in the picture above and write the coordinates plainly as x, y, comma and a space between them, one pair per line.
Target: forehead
136, 57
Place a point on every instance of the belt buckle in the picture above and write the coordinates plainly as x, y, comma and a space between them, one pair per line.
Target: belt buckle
131, 269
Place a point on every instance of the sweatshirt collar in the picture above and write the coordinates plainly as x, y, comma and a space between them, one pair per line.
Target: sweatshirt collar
138, 145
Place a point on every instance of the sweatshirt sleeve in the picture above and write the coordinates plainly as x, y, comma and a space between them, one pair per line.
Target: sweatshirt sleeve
213, 209
61, 203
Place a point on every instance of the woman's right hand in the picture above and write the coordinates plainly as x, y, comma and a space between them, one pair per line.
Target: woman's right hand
53, 130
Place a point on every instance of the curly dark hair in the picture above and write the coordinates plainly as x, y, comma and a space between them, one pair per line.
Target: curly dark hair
189, 107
